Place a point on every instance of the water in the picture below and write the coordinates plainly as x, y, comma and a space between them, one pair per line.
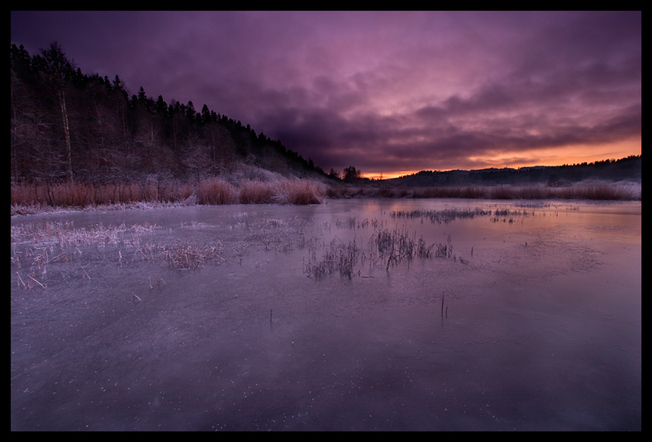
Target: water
215, 318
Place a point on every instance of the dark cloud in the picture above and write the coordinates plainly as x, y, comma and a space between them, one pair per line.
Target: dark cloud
384, 91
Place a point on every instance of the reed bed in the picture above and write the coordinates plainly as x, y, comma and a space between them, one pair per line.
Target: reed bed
255, 192
386, 248
441, 216
65, 235
31, 198
299, 192
338, 258
215, 191
395, 246
35, 247
583, 190
449, 215
190, 256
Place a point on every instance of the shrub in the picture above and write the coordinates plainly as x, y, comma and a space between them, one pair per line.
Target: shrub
298, 191
217, 191
256, 192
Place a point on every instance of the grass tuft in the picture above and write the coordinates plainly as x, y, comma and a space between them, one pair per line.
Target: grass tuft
215, 191
255, 192
298, 192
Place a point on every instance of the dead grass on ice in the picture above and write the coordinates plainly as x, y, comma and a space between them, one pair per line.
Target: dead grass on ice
35, 247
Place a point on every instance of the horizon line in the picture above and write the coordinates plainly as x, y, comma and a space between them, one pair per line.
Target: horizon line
381, 176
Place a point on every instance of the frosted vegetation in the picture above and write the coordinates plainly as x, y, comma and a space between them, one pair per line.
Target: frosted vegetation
253, 185
249, 185
35, 245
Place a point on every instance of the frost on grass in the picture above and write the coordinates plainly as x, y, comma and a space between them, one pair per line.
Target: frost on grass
449, 215
386, 248
191, 256
389, 247
35, 247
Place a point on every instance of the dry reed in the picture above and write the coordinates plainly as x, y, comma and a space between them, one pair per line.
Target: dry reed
386, 247
340, 258
215, 191
31, 198
298, 192
190, 256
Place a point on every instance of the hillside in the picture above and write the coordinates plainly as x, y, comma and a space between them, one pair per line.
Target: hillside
69, 126
625, 169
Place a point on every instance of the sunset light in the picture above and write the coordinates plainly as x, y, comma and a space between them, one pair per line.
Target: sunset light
387, 92
258, 221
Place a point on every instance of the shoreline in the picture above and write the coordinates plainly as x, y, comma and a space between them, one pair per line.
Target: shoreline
33, 199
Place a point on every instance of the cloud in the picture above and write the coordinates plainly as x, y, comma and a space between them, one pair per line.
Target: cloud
378, 90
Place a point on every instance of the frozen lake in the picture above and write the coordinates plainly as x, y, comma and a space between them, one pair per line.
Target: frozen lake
351, 315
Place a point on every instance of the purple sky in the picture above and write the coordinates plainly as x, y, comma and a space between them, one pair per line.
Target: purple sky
387, 92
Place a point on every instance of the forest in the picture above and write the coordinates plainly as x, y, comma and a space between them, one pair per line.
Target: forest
67, 126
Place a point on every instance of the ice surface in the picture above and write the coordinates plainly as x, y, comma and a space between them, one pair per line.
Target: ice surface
210, 318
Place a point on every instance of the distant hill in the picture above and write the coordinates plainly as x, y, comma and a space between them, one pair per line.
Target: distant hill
625, 169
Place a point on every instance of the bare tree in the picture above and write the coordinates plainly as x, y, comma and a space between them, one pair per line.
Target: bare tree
58, 69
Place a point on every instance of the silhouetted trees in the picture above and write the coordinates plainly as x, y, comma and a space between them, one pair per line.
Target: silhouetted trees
628, 168
66, 125
351, 174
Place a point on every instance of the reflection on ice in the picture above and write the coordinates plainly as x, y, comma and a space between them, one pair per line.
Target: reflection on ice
351, 315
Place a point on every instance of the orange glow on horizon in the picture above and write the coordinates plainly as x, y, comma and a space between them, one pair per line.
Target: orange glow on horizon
388, 176
540, 157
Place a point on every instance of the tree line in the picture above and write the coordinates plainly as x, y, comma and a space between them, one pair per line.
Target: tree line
67, 126
624, 169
